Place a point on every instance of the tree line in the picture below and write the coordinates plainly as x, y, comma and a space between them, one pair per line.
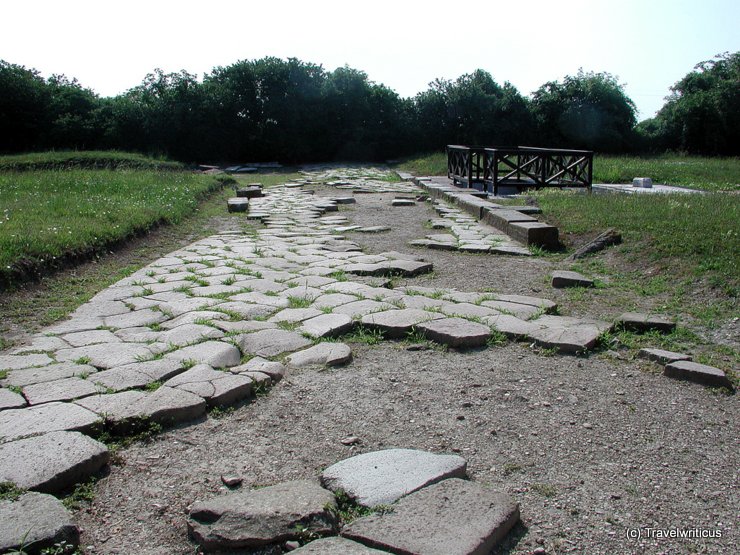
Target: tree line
294, 111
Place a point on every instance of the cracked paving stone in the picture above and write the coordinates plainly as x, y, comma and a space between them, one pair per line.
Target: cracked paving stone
217, 354
275, 370
52, 462
397, 323
452, 517
455, 332
325, 354
326, 325
50, 373
383, 477
271, 343
103, 356
218, 389
11, 400
41, 419
66, 389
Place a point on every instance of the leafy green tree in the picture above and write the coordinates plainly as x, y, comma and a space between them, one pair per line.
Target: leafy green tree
24, 107
72, 119
473, 109
589, 110
702, 114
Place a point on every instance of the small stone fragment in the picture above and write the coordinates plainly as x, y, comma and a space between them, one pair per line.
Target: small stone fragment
562, 278
662, 357
699, 373
640, 323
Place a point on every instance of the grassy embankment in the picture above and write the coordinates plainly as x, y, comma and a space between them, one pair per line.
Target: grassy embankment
119, 219
680, 253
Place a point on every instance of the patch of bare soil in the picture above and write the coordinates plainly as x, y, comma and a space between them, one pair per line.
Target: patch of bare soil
590, 447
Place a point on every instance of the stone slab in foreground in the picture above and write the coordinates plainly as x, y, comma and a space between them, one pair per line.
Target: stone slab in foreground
35, 521
453, 517
662, 357
383, 477
52, 462
262, 517
456, 332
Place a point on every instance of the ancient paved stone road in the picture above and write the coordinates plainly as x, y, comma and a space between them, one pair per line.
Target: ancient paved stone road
209, 324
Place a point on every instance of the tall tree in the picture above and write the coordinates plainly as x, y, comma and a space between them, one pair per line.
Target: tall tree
589, 110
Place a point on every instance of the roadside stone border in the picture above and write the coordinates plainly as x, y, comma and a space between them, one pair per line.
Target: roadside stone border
465, 234
418, 502
515, 221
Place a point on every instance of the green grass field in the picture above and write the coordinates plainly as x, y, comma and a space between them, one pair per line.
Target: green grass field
91, 159
47, 215
709, 174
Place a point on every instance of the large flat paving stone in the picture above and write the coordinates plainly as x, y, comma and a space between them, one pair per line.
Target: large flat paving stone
218, 389
48, 373
41, 419
270, 343
34, 522
262, 517
52, 462
275, 370
214, 353
165, 406
397, 323
105, 356
15, 362
59, 390
699, 373
326, 325
455, 332
325, 354
336, 546
383, 477
189, 333
453, 517
136, 375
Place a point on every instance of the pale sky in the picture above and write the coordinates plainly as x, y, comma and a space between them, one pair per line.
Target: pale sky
110, 45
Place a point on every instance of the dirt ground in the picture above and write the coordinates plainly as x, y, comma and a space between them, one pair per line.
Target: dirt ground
591, 447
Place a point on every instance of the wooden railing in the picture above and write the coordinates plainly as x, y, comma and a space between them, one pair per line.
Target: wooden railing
521, 167
465, 164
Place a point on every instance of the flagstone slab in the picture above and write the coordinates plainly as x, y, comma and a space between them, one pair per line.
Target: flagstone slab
326, 325
453, 517
262, 517
103, 356
189, 333
383, 477
165, 406
41, 419
324, 354
40, 343
217, 354
17, 362
192, 317
271, 343
50, 373
275, 370
79, 323
34, 522
397, 323
521, 311
546, 304
567, 339
135, 318
455, 332
218, 389
66, 389
511, 326
699, 373
82, 338
53, 462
